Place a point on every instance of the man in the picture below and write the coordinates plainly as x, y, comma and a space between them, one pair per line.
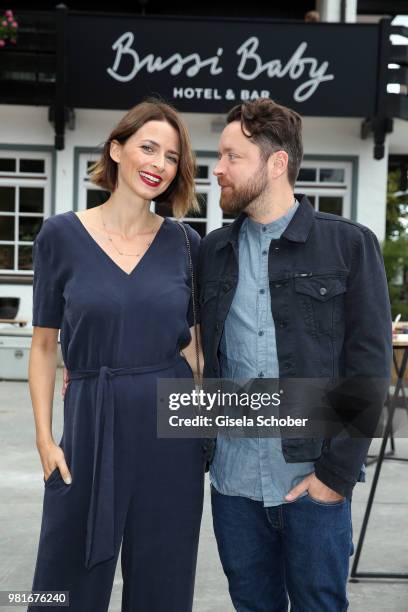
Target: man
286, 291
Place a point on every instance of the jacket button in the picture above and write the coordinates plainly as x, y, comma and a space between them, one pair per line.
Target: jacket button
217, 326
226, 286
322, 290
282, 324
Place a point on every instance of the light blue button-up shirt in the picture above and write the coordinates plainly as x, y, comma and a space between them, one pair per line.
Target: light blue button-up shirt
253, 467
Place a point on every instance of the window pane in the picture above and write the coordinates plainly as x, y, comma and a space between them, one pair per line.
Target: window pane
7, 165
201, 228
202, 172
6, 257
96, 197
25, 257
32, 199
331, 175
32, 165
28, 228
6, 228
202, 201
332, 205
307, 174
7, 195
164, 209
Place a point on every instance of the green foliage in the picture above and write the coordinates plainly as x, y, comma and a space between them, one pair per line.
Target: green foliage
395, 246
395, 253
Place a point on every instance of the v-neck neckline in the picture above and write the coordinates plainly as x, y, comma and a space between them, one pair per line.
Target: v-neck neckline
99, 248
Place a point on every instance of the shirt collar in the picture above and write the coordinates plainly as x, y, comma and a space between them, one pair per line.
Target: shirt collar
276, 227
298, 229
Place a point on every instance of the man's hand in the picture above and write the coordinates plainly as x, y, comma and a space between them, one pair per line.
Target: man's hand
315, 489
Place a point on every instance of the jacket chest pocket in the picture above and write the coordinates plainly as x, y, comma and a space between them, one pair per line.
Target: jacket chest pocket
321, 300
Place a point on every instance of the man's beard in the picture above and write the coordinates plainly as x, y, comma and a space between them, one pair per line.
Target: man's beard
234, 200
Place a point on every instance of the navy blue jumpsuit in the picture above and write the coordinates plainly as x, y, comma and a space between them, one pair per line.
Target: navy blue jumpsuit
119, 333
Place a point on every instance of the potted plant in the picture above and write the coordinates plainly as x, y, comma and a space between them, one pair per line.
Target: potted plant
8, 29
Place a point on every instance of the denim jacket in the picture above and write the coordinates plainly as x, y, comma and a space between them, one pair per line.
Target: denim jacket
330, 304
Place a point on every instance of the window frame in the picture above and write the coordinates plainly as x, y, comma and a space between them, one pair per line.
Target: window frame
17, 179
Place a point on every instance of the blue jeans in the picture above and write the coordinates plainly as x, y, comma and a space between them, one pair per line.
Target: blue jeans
298, 550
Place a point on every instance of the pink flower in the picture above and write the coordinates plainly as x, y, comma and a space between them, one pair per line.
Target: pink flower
10, 18
14, 24
9, 14
2, 43
4, 23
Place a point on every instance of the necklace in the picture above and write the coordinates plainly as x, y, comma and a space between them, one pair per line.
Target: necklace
114, 245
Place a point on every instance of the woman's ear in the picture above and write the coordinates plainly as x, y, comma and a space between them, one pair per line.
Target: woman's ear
115, 150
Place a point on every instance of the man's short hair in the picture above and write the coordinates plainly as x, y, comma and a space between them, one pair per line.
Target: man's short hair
273, 128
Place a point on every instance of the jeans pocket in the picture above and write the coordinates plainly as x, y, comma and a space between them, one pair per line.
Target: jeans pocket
330, 504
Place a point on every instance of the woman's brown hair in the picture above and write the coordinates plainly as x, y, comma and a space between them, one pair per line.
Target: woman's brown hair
181, 192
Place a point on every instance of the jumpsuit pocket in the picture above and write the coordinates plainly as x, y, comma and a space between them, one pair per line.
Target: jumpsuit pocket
55, 474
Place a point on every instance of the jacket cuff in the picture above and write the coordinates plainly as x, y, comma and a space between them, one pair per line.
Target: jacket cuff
334, 480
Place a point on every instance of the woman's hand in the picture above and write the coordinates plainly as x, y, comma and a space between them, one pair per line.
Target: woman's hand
65, 381
189, 352
52, 456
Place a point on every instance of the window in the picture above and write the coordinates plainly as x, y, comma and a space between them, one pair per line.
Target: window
24, 203
327, 185
89, 194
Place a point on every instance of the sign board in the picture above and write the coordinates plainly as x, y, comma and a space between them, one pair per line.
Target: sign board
209, 65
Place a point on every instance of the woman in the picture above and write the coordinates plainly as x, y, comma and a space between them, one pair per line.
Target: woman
115, 279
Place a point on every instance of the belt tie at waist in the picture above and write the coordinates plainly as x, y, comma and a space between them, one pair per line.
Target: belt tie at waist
100, 522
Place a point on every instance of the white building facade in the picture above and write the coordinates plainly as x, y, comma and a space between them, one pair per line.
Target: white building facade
339, 173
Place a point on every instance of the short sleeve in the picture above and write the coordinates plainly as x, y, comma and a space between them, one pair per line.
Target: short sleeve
48, 301
195, 240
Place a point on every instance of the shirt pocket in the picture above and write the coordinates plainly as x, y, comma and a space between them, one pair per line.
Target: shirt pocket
321, 299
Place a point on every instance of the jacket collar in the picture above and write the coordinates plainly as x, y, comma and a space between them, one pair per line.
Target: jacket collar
298, 229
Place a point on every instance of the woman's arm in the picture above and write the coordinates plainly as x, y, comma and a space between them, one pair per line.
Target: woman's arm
41, 375
190, 354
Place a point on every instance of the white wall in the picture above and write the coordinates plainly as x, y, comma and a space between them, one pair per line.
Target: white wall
399, 138
322, 136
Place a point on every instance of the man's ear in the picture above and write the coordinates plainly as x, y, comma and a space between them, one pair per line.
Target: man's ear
278, 163
115, 150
